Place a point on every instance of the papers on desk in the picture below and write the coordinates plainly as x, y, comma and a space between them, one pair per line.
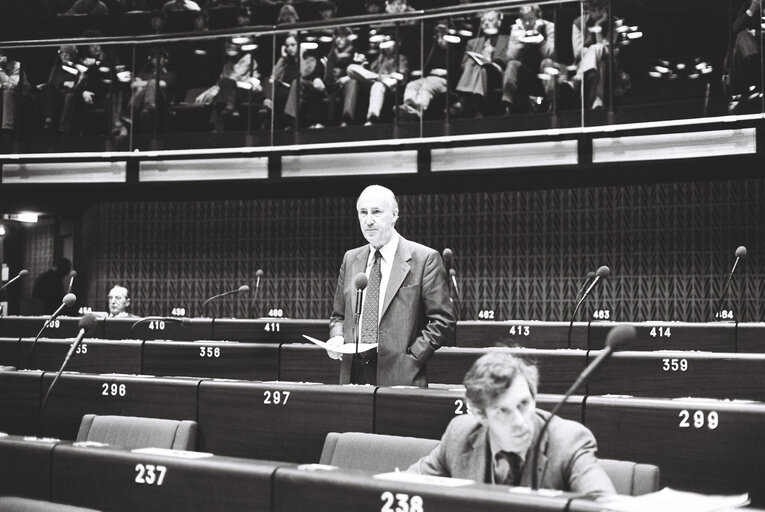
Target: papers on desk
348, 348
400, 476
181, 454
670, 500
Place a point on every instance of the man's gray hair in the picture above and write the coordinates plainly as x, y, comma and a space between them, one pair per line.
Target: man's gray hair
384, 190
492, 374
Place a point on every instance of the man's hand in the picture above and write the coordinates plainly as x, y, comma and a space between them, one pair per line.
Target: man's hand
88, 97
335, 342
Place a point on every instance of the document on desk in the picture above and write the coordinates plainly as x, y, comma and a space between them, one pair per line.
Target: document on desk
401, 476
348, 348
670, 500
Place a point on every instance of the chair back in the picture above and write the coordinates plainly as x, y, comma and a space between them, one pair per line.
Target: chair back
18, 504
134, 432
374, 452
631, 478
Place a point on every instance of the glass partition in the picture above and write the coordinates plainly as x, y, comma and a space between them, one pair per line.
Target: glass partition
507, 67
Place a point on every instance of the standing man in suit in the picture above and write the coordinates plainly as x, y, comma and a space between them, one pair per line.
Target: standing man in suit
405, 308
494, 442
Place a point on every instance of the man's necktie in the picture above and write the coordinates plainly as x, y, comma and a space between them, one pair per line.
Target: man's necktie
372, 303
507, 470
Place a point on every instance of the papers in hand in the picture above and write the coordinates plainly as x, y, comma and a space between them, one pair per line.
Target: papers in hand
668, 500
348, 348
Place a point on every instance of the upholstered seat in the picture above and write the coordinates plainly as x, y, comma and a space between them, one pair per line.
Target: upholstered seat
17, 504
134, 432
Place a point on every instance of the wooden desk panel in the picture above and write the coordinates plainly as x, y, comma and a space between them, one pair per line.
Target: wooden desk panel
333, 491
177, 329
710, 337
29, 326
92, 356
20, 402
25, 467
216, 359
520, 333
708, 446
124, 395
279, 420
9, 352
269, 330
676, 374
110, 479
750, 337
426, 412
307, 363
559, 368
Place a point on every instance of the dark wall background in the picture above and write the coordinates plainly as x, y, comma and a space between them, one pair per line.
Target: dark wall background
520, 253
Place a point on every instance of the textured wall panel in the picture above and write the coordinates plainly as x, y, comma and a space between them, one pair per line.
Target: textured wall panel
522, 253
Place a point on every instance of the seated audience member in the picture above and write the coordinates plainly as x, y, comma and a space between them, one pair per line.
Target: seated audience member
374, 6
743, 57
397, 6
58, 93
336, 78
49, 288
239, 81
119, 301
180, 5
493, 443
153, 90
14, 85
382, 77
531, 49
305, 102
440, 64
590, 39
286, 71
484, 61
89, 7
287, 15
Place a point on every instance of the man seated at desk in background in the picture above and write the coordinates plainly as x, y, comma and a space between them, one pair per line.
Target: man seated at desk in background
406, 306
119, 301
495, 441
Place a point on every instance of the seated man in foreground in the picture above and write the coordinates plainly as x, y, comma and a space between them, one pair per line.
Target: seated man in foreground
495, 441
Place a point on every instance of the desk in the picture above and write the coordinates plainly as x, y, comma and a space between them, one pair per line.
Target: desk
345, 490
708, 446
675, 374
279, 420
25, 467
125, 395
118, 480
168, 329
219, 359
269, 330
29, 326
307, 362
426, 412
92, 356
710, 337
9, 352
520, 333
20, 402
559, 368
750, 337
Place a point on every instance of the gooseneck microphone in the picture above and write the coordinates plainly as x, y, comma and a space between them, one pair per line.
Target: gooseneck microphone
602, 273
72, 275
740, 254
587, 281
453, 279
617, 338
258, 276
360, 282
447, 257
86, 324
68, 301
22, 273
243, 288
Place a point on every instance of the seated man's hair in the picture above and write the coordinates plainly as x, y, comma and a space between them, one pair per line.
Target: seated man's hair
493, 373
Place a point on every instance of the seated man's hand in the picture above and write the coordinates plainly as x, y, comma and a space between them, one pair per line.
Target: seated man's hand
318, 84
335, 342
88, 97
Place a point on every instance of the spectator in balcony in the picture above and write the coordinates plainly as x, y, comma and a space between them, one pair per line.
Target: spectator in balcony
742, 59
153, 90
374, 6
305, 102
397, 6
200, 22
286, 71
88, 7
243, 16
433, 82
341, 106
180, 5
530, 51
237, 88
287, 15
327, 10
483, 65
590, 40
382, 77
58, 93
14, 86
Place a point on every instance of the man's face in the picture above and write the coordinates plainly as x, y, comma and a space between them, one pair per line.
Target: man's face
510, 419
490, 23
118, 300
376, 217
341, 42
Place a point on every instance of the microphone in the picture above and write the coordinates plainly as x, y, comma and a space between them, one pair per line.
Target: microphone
617, 338
86, 324
258, 276
360, 282
602, 273
740, 254
447, 256
72, 275
168, 319
68, 301
243, 288
587, 281
22, 273
453, 276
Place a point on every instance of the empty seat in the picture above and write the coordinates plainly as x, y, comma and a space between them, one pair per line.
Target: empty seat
631, 478
374, 452
134, 432
16, 504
